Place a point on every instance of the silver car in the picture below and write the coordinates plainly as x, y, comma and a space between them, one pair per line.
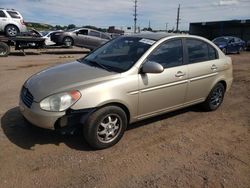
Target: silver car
128, 79
83, 37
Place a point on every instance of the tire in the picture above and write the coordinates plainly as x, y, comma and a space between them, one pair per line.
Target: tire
240, 50
68, 41
215, 98
11, 30
105, 127
224, 50
4, 49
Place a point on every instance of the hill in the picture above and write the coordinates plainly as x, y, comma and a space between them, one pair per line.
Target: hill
38, 26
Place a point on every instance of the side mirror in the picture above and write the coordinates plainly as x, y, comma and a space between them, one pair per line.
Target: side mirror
152, 67
77, 33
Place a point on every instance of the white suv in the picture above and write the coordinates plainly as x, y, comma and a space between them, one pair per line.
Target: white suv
11, 22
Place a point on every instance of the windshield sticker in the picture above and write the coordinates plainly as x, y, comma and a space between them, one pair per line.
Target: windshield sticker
147, 41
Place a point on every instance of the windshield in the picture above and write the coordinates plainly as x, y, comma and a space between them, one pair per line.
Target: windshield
44, 33
120, 54
220, 40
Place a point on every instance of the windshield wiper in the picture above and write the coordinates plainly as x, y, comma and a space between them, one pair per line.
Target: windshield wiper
95, 63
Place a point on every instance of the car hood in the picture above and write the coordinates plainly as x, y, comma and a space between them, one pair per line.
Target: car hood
65, 77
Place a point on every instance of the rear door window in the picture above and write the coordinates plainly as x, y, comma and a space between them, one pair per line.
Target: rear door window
13, 14
197, 51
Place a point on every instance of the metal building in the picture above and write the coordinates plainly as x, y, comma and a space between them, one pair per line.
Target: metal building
211, 30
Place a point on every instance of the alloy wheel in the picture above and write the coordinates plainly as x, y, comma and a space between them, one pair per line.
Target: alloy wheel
109, 128
217, 97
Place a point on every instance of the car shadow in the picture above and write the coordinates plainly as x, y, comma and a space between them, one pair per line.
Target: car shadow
24, 135
164, 116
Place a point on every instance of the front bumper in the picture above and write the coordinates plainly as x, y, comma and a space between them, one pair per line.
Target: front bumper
64, 122
39, 117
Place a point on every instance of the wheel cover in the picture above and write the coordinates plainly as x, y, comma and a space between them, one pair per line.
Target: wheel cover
109, 128
2, 51
12, 31
217, 97
68, 42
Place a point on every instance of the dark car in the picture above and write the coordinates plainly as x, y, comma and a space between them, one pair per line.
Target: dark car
248, 45
230, 44
83, 37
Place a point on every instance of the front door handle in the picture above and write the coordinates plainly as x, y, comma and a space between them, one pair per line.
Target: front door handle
180, 74
214, 67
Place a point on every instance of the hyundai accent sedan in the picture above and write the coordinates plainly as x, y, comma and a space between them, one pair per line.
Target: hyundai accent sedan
128, 79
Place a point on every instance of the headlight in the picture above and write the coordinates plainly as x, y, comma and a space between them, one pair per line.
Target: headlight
60, 102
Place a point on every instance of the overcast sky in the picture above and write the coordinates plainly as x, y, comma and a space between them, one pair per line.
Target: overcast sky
104, 13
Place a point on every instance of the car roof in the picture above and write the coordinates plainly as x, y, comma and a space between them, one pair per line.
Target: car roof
156, 36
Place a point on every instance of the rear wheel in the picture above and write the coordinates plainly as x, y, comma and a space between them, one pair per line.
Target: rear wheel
68, 41
11, 30
105, 127
4, 49
215, 98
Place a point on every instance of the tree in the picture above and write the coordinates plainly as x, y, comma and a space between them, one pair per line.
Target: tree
71, 26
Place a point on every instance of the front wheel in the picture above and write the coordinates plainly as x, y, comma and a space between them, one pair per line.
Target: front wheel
68, 41
215, 98
105, 127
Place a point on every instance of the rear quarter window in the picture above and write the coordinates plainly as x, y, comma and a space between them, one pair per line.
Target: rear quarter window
105, 36
13, 14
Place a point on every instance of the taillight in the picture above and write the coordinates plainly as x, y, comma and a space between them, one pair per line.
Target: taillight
22, 22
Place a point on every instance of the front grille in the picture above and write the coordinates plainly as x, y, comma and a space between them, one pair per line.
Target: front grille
26, 97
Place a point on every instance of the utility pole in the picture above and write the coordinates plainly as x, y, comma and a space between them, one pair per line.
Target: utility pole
178, 18
166, 27
135, 16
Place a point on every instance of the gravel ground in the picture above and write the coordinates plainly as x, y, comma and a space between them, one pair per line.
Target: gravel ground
187, 148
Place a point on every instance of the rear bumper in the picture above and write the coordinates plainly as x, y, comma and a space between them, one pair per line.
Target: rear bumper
229, 84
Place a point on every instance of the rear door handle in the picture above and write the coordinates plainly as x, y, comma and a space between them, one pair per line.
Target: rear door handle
180, 74
214, 67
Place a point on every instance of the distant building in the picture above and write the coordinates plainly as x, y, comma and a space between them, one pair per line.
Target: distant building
112, 29
211, 30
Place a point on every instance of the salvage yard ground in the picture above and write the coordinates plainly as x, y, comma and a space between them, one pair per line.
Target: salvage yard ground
187, 148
